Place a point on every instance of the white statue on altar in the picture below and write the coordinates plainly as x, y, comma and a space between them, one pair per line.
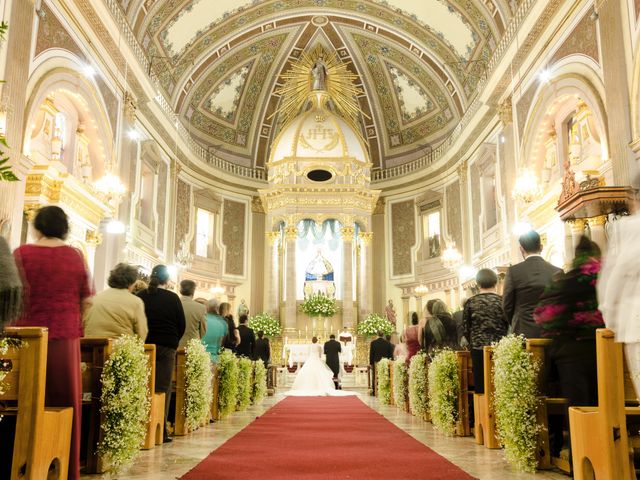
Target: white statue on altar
319, 277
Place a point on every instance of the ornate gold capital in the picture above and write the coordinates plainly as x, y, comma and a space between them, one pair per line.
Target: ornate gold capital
347, 233
463, 172
366, 237
577, 226
506, 111
290, 233
256, 205
598, 221
272, 237
93, 238
379, 208
30, 211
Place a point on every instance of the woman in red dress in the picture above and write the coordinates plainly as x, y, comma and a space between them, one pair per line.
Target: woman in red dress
57, 290
411, 337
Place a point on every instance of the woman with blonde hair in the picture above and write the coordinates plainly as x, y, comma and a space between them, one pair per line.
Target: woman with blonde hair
232, 340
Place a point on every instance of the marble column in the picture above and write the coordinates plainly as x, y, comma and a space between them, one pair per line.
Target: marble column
290, 309
347, 233
405, 312
577, 230
419, 306
272, 272
598, 234
467, 242
366, 274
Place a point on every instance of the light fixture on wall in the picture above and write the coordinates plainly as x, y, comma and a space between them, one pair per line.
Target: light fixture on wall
115, 227
527, 187
451, 257
467, 272
421, 289
111, 187
218, 289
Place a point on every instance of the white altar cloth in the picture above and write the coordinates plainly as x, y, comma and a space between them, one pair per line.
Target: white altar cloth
298, 353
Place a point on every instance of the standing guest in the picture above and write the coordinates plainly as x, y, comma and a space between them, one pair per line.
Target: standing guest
427, 314
524, 284
484, 322
216, 331
378, 350
262, 350
195, 314
332, 350
138, 286
441, 312
166, 321
568, 313
57, 291
392, 339
247, 338
10, 286
115, 311
232, 340
440, 330
411, 337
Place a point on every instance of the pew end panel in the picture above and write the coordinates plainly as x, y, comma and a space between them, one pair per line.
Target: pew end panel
155, 427
463, 427
485, 421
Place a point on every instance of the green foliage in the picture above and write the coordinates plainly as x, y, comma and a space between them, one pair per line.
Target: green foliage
384, 381
264, 322
418, 385
125, 402
245, 383
228, 374
259, 390
516, 401
400, 383
5, 344
198, 388
443, 391
374, 323
319, 305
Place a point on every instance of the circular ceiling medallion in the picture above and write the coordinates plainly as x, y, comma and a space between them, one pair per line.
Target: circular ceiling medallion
319, 175
320, 21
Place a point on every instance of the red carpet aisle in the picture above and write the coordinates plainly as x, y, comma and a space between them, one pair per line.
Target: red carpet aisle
324, 438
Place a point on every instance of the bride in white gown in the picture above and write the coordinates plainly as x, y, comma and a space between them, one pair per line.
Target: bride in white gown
315, 378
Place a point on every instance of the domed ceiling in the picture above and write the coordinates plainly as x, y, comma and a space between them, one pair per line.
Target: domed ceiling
220, 64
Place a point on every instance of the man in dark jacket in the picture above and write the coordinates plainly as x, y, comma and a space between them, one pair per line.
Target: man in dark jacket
524, 284
332, 350
247, 338
262, 350
380, 348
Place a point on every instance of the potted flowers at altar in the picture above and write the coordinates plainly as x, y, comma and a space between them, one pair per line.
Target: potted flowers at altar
374, 323
319, 305
266, 323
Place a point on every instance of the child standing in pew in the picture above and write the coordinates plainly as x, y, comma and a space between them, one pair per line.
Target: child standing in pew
484, 322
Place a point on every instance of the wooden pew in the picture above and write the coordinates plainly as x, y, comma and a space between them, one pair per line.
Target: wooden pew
215, 407
599, 439
43, 435
93, 354
463, 428
485, 420
392, 400
155, 427
180, 424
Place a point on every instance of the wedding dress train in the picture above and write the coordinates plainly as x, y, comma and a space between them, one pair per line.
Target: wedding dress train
315, 378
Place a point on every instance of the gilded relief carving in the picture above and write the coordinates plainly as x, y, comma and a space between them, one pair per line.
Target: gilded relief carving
161, 204
476, 205
183, 210
233, 233
403, 236
454, 213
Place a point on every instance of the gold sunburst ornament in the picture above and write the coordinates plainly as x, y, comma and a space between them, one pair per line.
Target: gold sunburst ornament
320, 76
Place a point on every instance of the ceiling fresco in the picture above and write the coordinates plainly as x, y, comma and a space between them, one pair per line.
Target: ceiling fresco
220, 63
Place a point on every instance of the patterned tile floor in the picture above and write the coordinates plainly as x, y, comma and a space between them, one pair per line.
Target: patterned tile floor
170, 461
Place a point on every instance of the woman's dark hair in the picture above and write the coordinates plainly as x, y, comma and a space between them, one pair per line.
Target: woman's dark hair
243, 318
587, 248
52, 222
414, 318
123, 275
430, 305
486, 278
159, 276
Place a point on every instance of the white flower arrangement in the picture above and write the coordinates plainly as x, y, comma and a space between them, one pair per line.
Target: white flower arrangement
259, 390
125, 402
228, 375
419, 385
384, 381
198, 384
319, 305
443, 391
245, 383
400, 383
5, 344
266, 323
374, 323
515, 401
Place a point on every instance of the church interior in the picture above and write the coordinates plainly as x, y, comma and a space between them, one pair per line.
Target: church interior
336, 168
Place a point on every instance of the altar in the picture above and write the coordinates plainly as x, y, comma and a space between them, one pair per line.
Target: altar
297, 353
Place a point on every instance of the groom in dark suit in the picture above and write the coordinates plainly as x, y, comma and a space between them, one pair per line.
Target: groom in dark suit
332, 350
524, 284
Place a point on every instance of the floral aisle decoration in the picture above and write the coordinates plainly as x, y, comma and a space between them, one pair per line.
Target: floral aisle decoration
374, 323
400, 384
266, 323
418, 385
443, 391
125, 402
516, 401
384, 381
228, 375
245, 383
259, 390
198, 380
319, 305
5, 368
